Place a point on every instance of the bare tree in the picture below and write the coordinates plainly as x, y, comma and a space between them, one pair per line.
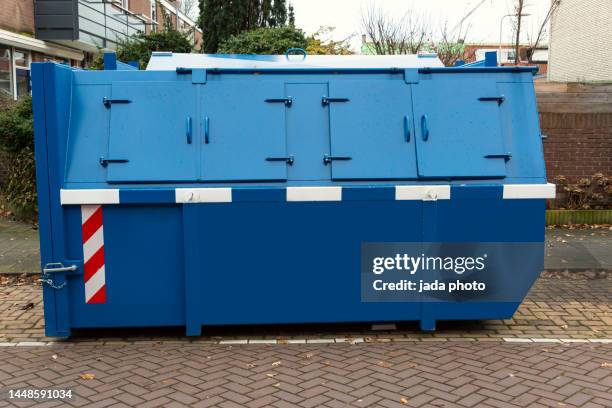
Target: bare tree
450, 47
519, 7
190, 8
542, 31
389, 34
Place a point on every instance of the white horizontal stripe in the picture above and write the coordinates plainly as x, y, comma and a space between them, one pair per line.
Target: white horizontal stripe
203, 195
90, 196
95, 242
425, 193
87, 211
329, 193
529, 191
95, 283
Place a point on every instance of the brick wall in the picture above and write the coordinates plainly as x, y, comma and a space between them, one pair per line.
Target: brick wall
577, 120
578, 144
17, 15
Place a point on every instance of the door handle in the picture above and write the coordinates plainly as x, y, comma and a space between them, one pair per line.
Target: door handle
288, 101
424, 128
326, 100
289, 159
407, 128
206, 130
189, 130
328, 159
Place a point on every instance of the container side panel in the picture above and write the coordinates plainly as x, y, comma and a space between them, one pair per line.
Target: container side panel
521, 131
458, 135
88, 138
241, 130
297, 262
143, 251
153, 132
374, 128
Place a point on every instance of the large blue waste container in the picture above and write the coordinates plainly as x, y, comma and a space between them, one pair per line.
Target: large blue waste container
217, 190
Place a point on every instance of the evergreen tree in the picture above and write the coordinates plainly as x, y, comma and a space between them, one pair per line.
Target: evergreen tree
221, 19
291, 16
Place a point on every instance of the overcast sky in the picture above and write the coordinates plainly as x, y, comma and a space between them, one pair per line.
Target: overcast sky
345, 15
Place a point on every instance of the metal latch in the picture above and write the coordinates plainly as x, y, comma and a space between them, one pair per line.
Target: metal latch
108, 102
326, 100
289, 160
328, 159
288, 101
55, 267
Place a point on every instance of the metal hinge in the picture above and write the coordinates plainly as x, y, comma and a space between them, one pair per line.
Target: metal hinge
326, 100
288, 101
108, 102
505, 156
498, 99
328, 159
104, 162
289, 159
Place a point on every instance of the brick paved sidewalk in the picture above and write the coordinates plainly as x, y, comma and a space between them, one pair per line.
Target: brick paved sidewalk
325, 375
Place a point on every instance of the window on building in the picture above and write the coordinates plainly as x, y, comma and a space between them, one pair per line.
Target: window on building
22, 72
154, 14
6, 71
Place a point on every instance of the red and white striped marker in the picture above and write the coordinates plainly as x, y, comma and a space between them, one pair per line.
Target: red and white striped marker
93, 253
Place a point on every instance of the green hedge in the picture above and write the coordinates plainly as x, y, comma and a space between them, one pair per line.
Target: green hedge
17, 139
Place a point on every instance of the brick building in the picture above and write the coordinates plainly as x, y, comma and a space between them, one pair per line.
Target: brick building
73, 31
580, 41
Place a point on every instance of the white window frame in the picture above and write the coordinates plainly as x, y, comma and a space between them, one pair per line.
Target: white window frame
28, 67
12, 68
153, 15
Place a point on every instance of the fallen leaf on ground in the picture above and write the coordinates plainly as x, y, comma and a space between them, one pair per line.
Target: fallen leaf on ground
276, 364
54, 356
27, 306
606, 365
404, 400
309, 355
250, 365
88, 376
272, 375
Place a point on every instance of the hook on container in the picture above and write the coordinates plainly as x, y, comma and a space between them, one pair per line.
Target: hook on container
296, 50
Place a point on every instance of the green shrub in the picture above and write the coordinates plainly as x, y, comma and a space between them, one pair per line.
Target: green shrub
17, 139
17, 127
20, 188
270, 40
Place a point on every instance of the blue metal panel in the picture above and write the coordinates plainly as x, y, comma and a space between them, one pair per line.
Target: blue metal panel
374, 128
307, 132
296, 262
455, 131
243, 130
151, 132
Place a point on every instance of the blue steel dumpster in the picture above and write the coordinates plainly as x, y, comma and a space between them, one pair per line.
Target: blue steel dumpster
223, 190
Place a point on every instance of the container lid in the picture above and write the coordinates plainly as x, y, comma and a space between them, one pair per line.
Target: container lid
168, 61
